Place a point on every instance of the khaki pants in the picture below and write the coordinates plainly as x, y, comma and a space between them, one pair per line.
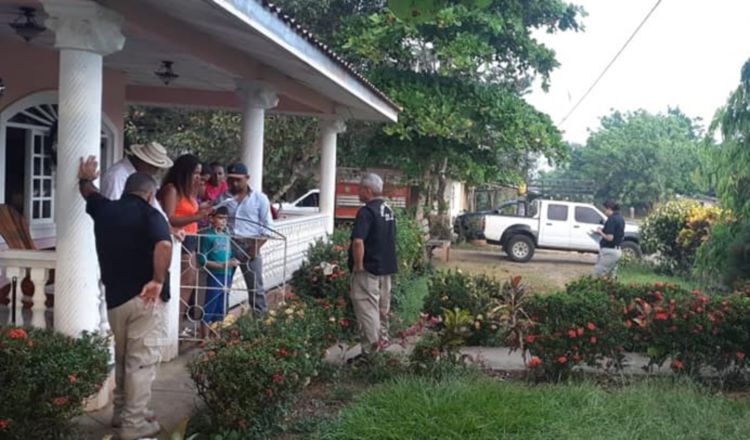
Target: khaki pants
139, 331
606, 264
371, 297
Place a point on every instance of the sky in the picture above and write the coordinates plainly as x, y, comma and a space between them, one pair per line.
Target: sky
688, 55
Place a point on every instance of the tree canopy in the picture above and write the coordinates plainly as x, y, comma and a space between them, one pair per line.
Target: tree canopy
642, 158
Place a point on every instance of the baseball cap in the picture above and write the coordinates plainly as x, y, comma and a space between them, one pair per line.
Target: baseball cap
237, 170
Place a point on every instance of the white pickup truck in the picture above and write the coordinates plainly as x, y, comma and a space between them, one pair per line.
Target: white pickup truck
521, 227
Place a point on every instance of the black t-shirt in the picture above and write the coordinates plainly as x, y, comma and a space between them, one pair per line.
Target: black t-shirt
126, 232
376, 226
615, 225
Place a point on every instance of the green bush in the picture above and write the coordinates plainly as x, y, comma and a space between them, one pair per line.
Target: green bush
724, 260
410, 249
581, 326
45, 379
251, 373
660, 232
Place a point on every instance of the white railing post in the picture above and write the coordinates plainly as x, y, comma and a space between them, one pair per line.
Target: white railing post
39, 277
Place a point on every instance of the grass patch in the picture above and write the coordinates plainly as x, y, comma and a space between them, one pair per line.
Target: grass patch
482, 408
633, 273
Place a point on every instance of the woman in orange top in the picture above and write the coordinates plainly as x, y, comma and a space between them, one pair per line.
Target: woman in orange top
178, 198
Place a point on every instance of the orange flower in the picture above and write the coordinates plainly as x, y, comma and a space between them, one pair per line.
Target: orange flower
562, 360
591, 326
677, 364
17, 333
534, 362
740, 355
593, 340
72, 378
661, 316
278, 378
572, 334
59, 401
579, 332
530, 339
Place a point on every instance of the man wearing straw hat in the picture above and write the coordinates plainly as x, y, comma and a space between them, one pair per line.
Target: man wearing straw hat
141, 158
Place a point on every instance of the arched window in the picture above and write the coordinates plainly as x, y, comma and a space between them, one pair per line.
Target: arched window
30, 157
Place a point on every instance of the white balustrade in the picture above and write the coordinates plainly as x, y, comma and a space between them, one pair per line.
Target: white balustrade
300, 233
26, 266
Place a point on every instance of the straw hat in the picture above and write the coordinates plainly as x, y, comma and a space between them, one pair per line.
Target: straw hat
153, 153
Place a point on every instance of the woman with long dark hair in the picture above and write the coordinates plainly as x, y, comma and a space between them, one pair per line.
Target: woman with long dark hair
178, 197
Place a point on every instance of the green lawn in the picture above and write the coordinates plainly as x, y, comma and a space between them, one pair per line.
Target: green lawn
483, 408
639, 274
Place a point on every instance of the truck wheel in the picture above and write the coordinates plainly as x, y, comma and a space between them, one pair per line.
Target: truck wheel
631, 250
520, 248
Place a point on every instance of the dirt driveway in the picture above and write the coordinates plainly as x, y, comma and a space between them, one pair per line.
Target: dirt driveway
547, 272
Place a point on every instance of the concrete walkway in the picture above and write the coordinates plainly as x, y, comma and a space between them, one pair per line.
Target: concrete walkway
174, 399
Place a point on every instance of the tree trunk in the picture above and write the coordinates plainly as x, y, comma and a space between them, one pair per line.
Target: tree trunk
442, 182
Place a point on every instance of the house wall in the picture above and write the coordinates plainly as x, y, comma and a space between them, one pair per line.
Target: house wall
28, 69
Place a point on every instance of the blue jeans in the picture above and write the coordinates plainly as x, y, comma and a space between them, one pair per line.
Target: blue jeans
214, 306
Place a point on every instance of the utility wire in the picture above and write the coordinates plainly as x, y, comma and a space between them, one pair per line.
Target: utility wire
617, 55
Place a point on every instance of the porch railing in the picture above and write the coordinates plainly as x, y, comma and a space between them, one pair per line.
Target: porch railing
300, 233
25, 274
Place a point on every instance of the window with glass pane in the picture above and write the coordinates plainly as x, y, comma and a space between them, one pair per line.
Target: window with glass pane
587, 215
557, 212
42, 186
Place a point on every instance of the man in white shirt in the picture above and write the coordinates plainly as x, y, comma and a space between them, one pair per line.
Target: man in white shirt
148, 158
249, 220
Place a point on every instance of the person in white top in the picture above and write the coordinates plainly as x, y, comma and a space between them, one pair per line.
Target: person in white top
149, 158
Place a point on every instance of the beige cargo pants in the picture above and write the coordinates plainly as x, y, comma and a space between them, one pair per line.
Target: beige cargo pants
606, 263
139, 331
371, 299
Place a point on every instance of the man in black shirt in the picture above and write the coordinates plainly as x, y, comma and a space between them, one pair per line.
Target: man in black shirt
134, 247
612, 235
372, 260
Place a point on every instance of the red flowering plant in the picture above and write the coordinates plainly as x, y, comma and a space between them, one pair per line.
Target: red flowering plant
324, 279
254, 369
570, 329
45, 379
691, 328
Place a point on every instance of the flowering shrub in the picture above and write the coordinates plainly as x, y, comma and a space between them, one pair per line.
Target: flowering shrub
574, 328
594, 321
676, 230
45, 379
254, 369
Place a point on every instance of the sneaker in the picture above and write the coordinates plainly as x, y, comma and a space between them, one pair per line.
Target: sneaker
149, 415
146, 430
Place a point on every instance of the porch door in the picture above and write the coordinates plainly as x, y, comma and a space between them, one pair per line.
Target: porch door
30, 168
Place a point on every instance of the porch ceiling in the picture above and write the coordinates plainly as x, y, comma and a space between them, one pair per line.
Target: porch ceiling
213, 45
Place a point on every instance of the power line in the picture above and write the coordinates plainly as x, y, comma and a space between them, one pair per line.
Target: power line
617, 55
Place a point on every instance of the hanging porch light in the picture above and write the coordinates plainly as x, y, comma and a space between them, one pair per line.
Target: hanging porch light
25, 24
165, 73
2, 88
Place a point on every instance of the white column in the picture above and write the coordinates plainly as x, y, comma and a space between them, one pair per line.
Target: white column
84, 32
329, 130
257, 97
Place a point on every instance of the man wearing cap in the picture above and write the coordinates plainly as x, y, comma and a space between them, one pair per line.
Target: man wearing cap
148, 159
249, 220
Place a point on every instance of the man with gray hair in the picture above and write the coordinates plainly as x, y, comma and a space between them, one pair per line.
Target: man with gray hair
372, 261
134, 249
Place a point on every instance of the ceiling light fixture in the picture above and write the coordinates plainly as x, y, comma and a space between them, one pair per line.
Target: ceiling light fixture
2, 88
165, 73
26, 26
